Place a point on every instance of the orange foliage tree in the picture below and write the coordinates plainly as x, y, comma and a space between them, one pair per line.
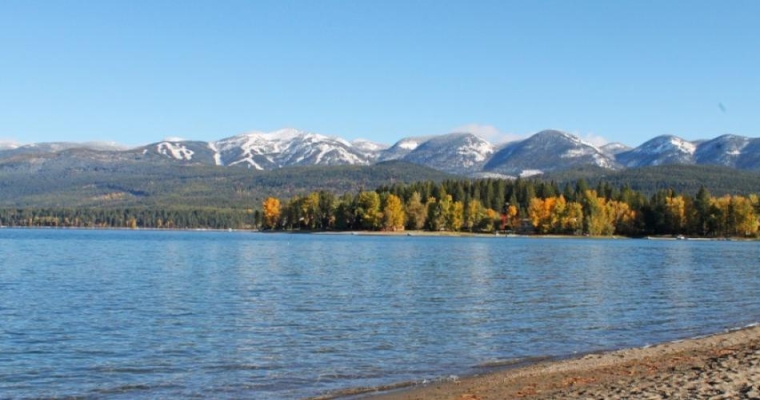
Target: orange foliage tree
271, 212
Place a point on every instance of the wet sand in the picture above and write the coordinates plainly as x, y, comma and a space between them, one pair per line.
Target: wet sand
723, 366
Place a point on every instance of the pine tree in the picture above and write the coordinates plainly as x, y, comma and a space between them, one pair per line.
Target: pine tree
702, 207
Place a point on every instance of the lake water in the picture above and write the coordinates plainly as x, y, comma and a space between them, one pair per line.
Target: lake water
134, 314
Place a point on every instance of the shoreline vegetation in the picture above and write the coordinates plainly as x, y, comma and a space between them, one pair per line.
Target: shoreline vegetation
723, 365
461, 207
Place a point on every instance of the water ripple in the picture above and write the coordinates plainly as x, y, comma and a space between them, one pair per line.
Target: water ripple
113, 314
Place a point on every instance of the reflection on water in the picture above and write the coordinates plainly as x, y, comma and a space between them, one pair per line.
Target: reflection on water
230, 315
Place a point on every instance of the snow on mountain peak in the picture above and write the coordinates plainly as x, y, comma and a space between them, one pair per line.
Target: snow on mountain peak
666, 149
8, 145
458, 153
683, 145
667, 143
474, 150
614, 148
367, 145
454, 152
284, 147
547, 150
283, 134
410, 143
175, 150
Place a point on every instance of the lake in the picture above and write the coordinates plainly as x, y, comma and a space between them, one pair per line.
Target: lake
146, 314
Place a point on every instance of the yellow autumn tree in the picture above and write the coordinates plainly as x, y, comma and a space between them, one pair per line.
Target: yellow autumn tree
744, 218
415, 212
675, 212
572, 218
557, 213
621, 217
511, 216
442, 213
394, 216
473, 213
490, 221
721, 207
539, 212
271, 212
309, 207
456, 216
755, 200
597, 219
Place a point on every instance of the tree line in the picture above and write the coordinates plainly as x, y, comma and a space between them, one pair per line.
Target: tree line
484, 205
521, 206
130, 218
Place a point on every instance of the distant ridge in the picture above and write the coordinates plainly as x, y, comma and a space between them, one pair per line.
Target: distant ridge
459, 153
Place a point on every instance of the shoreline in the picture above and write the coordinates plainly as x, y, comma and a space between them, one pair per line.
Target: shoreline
392, 233
726, 365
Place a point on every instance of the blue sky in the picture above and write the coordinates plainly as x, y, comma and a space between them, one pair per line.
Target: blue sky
135, 72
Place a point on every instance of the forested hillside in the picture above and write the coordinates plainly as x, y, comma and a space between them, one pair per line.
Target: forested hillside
55, 191
681, 178
66, 185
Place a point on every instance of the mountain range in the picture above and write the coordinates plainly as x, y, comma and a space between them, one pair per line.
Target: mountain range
456, 153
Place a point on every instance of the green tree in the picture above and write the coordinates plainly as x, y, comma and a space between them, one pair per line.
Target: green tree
435, 220
345, 212
325, 211
368, 209
702, 203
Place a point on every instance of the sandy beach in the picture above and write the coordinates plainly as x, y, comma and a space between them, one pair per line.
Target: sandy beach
722, 366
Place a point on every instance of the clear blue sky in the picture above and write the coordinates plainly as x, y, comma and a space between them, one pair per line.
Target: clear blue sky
135, 72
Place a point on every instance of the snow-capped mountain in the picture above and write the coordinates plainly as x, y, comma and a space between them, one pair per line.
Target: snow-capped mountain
54, 147
548, 150
7, 145
288, 147
368, 146
750, 157
614, 148
666, 149
265, 151
460, 153
728, 150
175, 150
724, 150
456, 153
403, 147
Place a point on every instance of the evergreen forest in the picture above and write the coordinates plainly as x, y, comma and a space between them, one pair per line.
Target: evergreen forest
521, 206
